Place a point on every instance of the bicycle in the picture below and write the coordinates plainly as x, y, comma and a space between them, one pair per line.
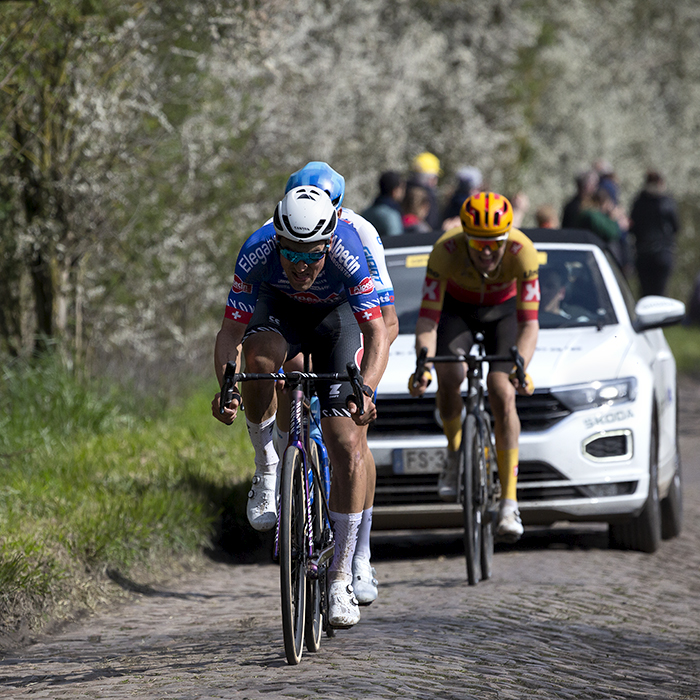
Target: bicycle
304, 537
479, 488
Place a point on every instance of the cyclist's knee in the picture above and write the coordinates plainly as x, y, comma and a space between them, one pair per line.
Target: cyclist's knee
501, 392
264, 354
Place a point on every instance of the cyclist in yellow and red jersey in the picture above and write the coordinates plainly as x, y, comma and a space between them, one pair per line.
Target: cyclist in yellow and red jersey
481, 277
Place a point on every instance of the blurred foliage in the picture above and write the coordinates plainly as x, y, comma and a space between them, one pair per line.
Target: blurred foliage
157, 135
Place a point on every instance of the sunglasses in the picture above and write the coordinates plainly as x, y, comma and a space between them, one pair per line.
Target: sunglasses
479, 244
295, 257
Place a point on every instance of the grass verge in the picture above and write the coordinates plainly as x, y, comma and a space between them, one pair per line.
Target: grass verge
97, 484
685, 345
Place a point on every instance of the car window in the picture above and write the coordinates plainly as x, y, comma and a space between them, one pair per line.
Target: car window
572, 290
407, 272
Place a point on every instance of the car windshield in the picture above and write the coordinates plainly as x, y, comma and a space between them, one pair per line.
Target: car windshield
572, 289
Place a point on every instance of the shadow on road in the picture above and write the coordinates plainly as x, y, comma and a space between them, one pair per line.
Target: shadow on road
422, 544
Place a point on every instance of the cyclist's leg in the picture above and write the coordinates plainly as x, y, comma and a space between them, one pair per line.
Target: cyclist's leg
453, 338
364, 579
262, 350
265, 346
348, 486
334, 343
499, 337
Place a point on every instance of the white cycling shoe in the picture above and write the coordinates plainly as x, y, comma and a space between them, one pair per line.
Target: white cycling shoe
510, 526
364, 581
262, 502
343, 609
447, 481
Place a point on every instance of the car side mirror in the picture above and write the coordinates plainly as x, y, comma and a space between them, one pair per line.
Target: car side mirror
656, 312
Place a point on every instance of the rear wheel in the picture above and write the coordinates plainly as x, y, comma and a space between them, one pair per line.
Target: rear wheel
643, 533
471, 448
488, 519
313, 626
292, 548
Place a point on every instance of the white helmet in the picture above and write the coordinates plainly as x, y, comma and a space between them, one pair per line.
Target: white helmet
305, 215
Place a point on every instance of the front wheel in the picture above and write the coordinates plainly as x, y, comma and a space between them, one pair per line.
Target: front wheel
292, 548
489, 516
313, 627
469, 488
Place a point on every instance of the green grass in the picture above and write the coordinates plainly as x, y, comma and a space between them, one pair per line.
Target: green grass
685, 345
95, 480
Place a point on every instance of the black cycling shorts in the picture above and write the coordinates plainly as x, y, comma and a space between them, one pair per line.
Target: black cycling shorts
330, 335
459, 322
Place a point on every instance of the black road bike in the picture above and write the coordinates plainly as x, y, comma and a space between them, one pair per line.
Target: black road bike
304, 539
478, 485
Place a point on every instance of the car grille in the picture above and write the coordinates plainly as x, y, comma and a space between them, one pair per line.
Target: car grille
539, 411
408, 416
405, 415
421, 489
413, 489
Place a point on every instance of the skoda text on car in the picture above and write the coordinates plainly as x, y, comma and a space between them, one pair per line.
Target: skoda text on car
599, 435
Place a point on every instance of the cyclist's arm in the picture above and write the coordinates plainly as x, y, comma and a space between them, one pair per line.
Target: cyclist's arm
426, 337
227, 348
391, 321
527, 340
374, 360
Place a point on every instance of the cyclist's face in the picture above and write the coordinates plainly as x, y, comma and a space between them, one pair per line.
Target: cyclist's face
486, 260
301, 271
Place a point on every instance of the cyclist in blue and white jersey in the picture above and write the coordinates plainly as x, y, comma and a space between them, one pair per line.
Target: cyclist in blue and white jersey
303, 282
320, 174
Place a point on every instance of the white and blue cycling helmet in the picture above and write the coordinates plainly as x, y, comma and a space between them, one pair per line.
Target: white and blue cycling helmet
305, 215
319, 174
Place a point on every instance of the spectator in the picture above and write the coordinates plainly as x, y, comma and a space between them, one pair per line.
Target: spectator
385, 212
416, 206
546, 217
469, 182
596, 215
607, 180
426, 170
521, 205
654, 225
586, 185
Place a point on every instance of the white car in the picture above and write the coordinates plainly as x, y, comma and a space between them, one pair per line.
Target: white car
599, 435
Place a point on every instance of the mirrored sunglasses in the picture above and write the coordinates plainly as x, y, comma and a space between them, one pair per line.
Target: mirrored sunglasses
295, 257
481, 243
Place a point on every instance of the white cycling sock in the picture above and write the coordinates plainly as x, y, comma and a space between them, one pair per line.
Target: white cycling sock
506, 506
281, 439
362, 549
266, 458
345, 527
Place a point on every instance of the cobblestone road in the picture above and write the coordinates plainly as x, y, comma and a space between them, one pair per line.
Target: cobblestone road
562, 617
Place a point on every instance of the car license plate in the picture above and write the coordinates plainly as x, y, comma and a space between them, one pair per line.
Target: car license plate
417, 461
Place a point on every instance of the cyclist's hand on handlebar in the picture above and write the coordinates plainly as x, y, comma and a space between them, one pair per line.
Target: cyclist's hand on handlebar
417, 388
230, 411
525, 390
369, 414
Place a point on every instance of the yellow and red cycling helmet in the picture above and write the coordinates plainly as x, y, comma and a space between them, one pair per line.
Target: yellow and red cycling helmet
487, 215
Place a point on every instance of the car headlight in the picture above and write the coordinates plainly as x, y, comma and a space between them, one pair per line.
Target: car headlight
579, 397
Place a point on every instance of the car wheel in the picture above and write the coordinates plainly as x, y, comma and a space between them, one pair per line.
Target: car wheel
672, 505
643, 533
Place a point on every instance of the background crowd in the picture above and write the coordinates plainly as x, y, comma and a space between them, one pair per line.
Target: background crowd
643, 239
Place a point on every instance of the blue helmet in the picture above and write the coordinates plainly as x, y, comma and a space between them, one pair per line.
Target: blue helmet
319, 174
